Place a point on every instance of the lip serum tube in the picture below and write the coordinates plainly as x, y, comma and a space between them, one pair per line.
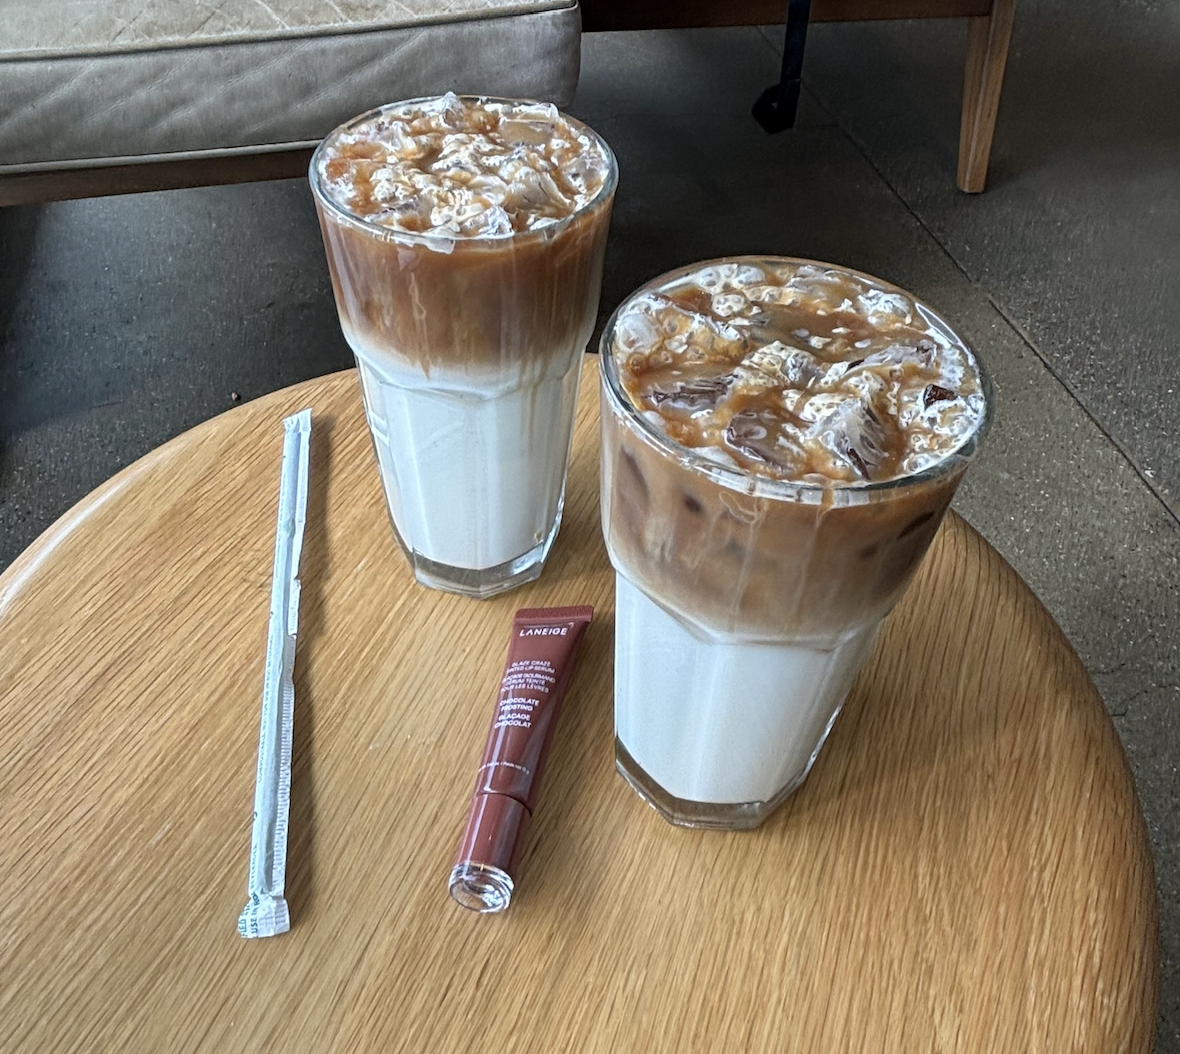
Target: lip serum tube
540, 662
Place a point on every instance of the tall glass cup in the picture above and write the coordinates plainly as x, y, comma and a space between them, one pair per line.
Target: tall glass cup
745, 605
469, 350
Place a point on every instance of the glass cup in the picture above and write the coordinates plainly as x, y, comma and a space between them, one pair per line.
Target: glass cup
745, 606
469, 351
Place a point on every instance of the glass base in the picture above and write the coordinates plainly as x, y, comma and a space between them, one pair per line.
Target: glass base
486, 582
480, 888
726, 816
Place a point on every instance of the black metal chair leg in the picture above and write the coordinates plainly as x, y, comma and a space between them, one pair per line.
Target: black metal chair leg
775, 108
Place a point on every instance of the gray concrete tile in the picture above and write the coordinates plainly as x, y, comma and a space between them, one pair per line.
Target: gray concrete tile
131, 319
1077, 232
711, 71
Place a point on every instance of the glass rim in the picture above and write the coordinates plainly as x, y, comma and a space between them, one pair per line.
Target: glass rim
738, 479
604, 193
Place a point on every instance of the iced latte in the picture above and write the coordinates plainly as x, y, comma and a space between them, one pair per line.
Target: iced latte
780, 441
465, 239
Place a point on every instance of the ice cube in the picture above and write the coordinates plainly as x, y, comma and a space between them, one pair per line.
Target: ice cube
532, 191
793, 367
883, 308
867, 384
412, 214
758, 436
529, 132
692, 396
716, 455
386, 186
892, 359
441, 239
459, 170
820, 405
708, 278
489, 187
540, 111
447, 114
464, 211
731, 277
727, 304
917, 462
492, 222
834, 374
768, 294
586, 169
745, 275
703, 331
635, 329
443, 207
824, 289
750, 380
403, 144
853, 433
793, 400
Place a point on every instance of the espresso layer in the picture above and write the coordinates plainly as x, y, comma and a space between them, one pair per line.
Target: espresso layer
444, 260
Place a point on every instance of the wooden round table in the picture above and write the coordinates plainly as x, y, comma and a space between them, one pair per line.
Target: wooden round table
966, 869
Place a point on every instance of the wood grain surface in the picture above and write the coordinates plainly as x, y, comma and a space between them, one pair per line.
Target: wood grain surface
966, 869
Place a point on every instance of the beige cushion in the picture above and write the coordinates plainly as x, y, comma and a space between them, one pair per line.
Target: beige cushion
108, 81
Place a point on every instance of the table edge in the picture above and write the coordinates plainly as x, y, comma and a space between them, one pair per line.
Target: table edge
13, 577
26, 565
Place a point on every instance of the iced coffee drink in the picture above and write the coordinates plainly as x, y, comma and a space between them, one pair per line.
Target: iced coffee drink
781, 439
465, 239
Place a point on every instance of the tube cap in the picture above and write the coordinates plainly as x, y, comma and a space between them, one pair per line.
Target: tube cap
495, 832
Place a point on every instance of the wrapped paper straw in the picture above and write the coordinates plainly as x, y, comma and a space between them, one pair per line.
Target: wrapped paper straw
266, 913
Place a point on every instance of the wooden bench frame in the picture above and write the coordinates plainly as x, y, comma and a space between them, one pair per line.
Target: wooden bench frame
988, 36
989, 32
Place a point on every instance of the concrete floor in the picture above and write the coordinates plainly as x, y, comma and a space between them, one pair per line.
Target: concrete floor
125, 321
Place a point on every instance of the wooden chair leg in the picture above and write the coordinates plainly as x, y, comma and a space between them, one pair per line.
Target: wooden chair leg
987, 55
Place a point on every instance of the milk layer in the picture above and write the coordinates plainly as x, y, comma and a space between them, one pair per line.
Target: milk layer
723, 721
473, 467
